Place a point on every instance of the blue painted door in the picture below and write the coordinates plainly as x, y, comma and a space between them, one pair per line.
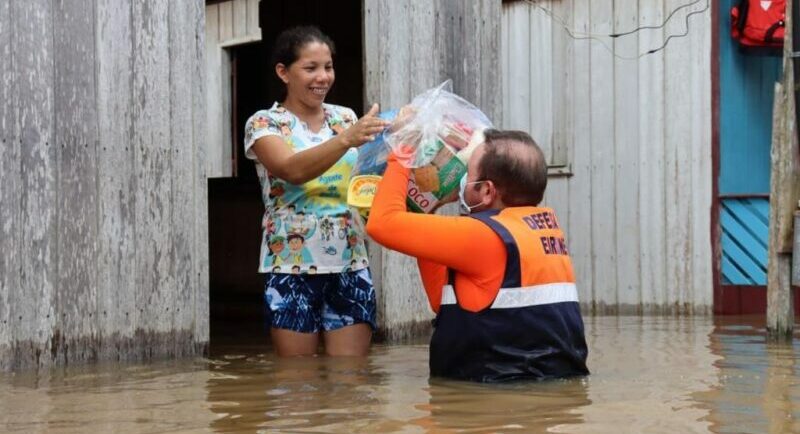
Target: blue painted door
746, 95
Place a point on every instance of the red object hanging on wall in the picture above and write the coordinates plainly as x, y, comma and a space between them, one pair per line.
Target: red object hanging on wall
758, 25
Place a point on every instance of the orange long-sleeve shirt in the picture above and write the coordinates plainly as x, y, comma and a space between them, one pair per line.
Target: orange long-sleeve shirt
463, 244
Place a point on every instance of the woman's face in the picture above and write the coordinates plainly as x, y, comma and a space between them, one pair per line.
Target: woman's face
311, 76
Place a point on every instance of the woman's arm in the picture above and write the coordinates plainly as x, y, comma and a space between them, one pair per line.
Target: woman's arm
300, 167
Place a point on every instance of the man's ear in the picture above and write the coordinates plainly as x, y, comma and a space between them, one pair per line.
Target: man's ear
283, 72
491, 193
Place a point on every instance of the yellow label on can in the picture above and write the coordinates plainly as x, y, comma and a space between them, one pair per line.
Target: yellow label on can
362, 189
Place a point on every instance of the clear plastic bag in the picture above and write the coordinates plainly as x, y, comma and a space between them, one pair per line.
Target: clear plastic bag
434, 135
368, 170
372, 155
434, 120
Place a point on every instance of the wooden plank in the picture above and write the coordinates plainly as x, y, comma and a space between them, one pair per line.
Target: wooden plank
743, 236
743, 259
539, 104
603, 171
780, 303
404, 304
199, 216
557, 193
785, 174
761, 207
182, 29
733, 275
253, 28
10, 192
626, 134
442, 43
396, 61
677, 72
373, 82
562, 61
517, 100
77, 220
470, 52
151, 139
33, 300
214, 113
225, 21
652, 175
422, 27
505, 57
239, 18
450, 49
580, 191
226, 103
752, 220
372, 53
491, 91
700, 158
116, 309
796, 256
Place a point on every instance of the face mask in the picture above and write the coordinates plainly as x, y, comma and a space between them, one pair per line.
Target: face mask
462, 202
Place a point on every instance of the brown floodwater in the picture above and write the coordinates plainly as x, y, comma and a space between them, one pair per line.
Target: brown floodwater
671, 375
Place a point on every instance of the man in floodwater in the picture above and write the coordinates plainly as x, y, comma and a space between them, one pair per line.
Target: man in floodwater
500, 279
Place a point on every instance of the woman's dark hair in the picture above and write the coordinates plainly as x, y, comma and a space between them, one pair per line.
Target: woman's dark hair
289, 43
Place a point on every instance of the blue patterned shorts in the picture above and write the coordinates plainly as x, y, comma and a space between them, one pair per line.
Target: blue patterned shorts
307, 303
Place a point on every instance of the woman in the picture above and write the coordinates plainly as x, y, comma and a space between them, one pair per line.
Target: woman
304, 151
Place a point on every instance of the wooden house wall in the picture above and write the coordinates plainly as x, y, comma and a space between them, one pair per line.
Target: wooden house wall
633, 133
103, 223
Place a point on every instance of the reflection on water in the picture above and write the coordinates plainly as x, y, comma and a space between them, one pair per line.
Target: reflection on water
648, 375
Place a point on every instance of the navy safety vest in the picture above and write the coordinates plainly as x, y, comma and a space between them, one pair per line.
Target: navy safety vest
533, 329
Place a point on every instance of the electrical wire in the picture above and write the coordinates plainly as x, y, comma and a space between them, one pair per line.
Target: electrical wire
662, 25
597, 37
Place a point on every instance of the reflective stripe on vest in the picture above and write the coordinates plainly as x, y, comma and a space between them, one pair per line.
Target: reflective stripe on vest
536, 295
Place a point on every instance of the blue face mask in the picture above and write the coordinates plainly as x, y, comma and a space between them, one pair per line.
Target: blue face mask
462, 202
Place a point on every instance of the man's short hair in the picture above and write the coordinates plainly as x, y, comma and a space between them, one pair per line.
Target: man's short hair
516, 165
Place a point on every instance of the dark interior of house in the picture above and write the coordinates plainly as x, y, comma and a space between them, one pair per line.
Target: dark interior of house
235, 208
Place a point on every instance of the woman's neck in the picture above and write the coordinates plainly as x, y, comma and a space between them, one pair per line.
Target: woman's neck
307, 114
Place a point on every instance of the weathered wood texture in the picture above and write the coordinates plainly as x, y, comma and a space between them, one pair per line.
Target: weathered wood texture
784, 189
785, 171
103, 243
10, 176
796, 252
780, 303
228, 23
635, 133
410, 46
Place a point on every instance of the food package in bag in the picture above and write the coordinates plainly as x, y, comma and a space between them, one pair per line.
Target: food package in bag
435, 135
368, 170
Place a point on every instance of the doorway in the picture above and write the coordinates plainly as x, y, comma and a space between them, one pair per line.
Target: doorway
238, 317
746, 93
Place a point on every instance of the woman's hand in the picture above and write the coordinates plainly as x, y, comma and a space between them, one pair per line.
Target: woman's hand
365, 129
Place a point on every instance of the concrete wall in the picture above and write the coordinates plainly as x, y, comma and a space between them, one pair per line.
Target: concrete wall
103, 223
632, 132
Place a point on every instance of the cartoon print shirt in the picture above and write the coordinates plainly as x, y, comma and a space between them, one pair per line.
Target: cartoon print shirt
306, 228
